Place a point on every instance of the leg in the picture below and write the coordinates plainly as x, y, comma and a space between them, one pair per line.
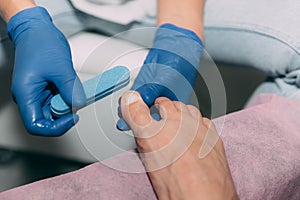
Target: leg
249, 33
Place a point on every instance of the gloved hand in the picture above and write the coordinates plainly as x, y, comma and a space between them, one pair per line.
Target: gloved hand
43, 67
170, 68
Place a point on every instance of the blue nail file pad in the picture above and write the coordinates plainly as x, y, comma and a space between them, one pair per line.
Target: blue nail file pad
95, 89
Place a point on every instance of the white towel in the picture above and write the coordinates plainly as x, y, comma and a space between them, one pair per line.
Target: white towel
119, 11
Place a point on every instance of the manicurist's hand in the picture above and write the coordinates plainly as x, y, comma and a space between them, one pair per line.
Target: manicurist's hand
170, 68
182, 153
43, 67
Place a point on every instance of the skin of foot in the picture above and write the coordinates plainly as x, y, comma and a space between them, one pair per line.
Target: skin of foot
182, 152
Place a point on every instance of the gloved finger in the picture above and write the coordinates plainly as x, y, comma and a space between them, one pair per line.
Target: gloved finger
71, 90
134, 111
122, 126
150, 92
49, 128
37, 124
156, 116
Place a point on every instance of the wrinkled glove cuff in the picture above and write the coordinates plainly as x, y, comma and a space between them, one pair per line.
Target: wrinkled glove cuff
25, 19
187, 32
178, 40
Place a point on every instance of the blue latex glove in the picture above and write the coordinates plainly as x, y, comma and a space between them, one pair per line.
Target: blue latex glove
170, 68
43, 67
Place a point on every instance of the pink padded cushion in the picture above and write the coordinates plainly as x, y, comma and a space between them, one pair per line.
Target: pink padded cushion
262, 144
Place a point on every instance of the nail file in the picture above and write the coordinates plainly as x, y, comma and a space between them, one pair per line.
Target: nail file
95, 89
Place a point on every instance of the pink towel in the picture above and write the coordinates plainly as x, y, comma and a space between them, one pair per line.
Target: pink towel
262, 143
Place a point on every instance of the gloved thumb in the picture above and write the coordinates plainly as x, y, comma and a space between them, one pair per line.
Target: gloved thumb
134, 111
72, 91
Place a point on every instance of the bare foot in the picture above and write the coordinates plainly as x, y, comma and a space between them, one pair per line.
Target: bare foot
182, 153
